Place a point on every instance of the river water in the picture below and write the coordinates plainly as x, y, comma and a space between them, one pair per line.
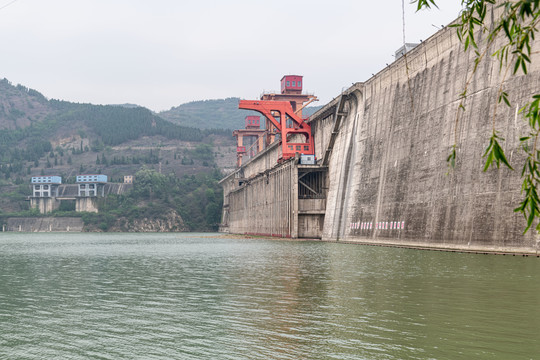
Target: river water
203, 296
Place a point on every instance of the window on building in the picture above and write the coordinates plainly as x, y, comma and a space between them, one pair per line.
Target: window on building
294, 83
288, 84
299, 83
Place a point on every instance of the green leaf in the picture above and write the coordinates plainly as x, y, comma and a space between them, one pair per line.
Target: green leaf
524, 67
425, 4
516, 66
494, 154
504, 97
489, 161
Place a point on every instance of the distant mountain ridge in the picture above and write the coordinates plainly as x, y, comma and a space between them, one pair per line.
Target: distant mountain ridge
21, 107
214, 114
208, 114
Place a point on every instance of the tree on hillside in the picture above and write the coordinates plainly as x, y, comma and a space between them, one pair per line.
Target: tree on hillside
509, 40
198, 199
150, 183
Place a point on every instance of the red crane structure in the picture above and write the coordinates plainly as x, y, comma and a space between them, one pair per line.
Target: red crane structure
295, 133
252, 136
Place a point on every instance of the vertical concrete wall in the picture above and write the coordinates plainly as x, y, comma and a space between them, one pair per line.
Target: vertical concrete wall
88, 204
266, 204
44, 204
341, 169
389, 180
311, 217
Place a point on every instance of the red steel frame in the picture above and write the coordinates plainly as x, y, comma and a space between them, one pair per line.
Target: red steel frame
278, 112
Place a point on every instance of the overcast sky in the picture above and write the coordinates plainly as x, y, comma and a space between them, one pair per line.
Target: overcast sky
162, 53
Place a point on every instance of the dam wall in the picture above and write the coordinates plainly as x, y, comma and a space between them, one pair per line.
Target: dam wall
382, 175
264, 204
389, 181
285, 200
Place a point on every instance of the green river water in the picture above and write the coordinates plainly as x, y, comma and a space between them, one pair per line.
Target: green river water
203, 296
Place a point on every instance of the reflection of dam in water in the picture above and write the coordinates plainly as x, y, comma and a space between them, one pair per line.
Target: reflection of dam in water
381, 174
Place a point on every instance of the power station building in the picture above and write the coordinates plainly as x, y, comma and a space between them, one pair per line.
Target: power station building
91, 185
45, 186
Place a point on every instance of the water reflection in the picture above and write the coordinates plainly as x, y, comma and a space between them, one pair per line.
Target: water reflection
194, 296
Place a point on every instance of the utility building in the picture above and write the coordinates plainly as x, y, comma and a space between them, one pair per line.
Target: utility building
291, 91
44, 193
91, 185
45, 186
291, 84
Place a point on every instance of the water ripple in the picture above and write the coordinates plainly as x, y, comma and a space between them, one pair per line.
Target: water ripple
192, 296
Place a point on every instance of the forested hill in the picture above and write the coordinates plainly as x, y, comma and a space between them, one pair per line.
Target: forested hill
114, 125
208, 114
26, 114
20, 106
214, 114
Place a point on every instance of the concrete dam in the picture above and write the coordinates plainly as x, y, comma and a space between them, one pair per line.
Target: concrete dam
381, 175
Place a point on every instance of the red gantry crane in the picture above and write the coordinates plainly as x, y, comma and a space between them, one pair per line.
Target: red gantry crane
295, 133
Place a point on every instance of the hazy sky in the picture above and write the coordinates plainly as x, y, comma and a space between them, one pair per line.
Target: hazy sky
162, 53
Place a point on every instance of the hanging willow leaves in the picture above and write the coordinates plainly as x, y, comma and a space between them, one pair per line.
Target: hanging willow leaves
495, 154
426, 4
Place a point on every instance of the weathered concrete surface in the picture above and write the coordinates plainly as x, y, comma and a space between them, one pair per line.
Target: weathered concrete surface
88, 204
44, 205
388, 172
264, 204
275, 201
45, 224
